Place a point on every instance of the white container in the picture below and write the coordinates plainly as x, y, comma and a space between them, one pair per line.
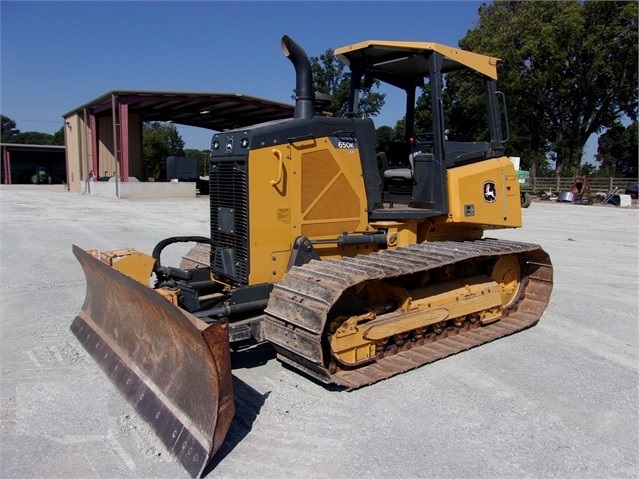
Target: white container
625, 201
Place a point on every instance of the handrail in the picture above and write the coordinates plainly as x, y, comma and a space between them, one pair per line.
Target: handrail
278, 154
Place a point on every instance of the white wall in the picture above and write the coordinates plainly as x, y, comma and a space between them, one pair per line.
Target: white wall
135, 189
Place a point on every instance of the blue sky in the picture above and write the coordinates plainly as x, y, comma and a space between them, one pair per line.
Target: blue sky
56, 56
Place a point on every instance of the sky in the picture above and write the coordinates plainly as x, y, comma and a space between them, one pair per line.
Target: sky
56, 56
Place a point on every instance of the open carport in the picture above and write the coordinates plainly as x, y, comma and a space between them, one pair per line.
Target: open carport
104, 136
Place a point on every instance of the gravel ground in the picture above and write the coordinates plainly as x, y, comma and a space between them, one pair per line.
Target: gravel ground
558, 400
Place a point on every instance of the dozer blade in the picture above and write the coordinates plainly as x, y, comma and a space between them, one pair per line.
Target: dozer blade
173, 368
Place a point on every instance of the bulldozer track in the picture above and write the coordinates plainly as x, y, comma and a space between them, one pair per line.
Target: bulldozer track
300, 305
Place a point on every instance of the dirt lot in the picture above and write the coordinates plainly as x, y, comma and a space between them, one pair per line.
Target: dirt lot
558, 400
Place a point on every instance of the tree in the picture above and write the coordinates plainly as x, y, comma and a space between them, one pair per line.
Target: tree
570, 72
423, 116
159, 140
589, 170
9, 130
617, 151
400, 129
58, 137
385, 133
203, 157
330, 77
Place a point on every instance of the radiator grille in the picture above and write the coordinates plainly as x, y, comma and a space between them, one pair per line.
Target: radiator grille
229, 218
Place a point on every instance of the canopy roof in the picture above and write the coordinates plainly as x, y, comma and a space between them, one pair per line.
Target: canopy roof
215, 111
402, 63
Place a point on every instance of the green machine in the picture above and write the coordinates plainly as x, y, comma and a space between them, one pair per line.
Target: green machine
524, 187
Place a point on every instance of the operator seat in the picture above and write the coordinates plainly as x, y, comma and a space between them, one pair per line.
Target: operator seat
397, 160
400, 173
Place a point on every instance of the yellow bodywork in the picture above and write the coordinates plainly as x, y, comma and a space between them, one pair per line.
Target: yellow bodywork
289, 196
128, 261
296, 198
357, 338
136, 265
466, 188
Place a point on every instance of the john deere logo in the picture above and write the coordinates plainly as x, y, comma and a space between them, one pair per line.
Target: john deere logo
490, 193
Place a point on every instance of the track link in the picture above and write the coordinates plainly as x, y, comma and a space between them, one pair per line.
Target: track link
300, 304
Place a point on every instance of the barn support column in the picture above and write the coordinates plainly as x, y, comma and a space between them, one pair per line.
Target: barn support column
116, 141
6, 164
83, 147
94, 145
123, 105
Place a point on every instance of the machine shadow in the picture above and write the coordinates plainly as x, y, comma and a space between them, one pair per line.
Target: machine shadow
248, 403
252, 357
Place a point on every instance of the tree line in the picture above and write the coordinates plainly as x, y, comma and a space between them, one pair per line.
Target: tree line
11, 134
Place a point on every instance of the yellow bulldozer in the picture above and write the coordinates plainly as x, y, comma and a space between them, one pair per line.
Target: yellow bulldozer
355, 259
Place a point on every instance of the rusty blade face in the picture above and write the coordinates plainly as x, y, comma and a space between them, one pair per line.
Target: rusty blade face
173, 368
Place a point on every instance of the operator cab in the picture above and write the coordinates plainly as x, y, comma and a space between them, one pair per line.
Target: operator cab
412, 170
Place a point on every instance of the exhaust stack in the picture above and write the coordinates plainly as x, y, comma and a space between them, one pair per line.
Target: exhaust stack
303, 78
